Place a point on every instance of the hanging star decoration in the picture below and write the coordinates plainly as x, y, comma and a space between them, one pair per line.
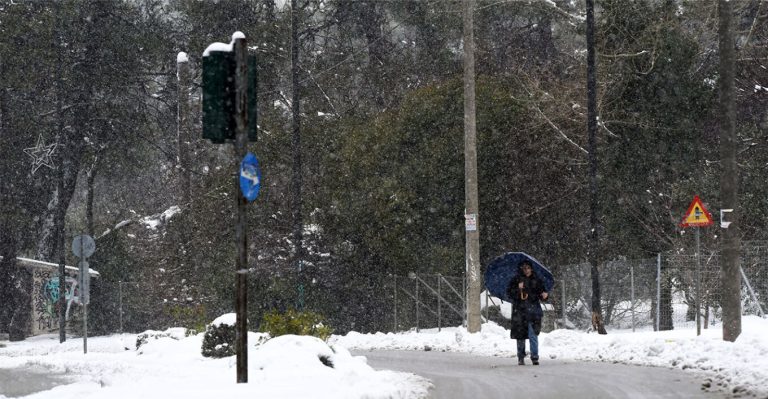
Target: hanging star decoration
41, 154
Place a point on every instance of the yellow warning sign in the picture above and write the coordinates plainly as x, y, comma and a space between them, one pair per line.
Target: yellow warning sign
697, 215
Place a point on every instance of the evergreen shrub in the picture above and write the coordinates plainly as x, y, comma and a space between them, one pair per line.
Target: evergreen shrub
219, 339
296, 323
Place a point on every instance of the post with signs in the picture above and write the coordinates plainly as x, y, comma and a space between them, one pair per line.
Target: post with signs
83, 246
697, 216
229, 114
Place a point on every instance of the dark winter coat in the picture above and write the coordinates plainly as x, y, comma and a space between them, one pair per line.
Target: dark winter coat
528, 309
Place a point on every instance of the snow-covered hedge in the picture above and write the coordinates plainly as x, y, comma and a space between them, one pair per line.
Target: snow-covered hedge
219, 338
176, 333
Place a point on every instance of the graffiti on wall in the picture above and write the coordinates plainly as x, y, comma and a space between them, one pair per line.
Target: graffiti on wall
46, 298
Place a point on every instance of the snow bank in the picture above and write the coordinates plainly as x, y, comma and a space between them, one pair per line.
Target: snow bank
172, 367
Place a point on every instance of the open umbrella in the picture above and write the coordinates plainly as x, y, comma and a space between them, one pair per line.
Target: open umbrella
503, 268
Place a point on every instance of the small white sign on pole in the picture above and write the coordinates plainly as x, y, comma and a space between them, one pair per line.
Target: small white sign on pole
470, 221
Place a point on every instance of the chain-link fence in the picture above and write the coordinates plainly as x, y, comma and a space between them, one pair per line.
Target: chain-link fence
427, 301
646, 294
383, 303
660, 293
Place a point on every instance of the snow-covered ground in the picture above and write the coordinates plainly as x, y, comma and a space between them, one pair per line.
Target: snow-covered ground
173, 367
290, 366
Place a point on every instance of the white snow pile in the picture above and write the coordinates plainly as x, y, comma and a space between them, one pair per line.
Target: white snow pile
738, 367
171, 366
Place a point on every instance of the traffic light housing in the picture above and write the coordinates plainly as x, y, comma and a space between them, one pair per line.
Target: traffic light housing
219, 92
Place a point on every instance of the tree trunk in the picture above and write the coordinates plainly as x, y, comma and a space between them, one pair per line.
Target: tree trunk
91, 177
594, 243
15, 288
183, 137
296, 145
665, 307
729, 180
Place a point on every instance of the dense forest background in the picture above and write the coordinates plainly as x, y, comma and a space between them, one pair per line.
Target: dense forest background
382, 184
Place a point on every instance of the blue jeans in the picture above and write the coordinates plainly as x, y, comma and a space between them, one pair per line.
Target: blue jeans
534, 344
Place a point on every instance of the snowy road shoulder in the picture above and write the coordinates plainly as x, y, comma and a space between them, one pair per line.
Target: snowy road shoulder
283, 367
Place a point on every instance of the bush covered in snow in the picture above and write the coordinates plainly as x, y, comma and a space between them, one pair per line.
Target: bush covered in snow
296, 323
219, 338
173, 333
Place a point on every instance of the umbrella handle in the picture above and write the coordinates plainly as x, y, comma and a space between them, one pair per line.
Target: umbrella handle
523, 294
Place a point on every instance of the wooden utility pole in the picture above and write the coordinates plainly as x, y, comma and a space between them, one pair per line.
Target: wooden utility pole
729, 180
472, 224
296, 145
241, 148
594, 243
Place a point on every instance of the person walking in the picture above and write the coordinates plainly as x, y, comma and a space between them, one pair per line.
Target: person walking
526, 291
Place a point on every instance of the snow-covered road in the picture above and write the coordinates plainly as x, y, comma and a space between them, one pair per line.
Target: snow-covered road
461, 375
24, 381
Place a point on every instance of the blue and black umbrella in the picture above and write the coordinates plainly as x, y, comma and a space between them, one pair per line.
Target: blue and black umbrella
504, 268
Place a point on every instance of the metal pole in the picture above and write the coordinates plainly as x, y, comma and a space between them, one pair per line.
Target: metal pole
241, 144
395, 300
658, 292
698, 284
120, 299
632, 283
83, 276
417, 305
562, 284
85, 328
439, 304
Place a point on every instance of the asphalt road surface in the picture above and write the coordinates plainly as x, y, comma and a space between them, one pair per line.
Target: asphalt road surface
15, 383
464, 376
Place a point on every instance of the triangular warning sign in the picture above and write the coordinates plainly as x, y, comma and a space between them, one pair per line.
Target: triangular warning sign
697, 215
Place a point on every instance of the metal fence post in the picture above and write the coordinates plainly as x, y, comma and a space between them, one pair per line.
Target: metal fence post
464, 298
698, 283
394, 329
417, 304
632, 293
658, 291
439, 303
120, 296
562, 305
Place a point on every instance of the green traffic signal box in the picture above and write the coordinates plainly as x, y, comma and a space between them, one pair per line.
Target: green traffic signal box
219, 92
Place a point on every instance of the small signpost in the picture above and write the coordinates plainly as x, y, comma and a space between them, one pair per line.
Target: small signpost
83, 247
697, 216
